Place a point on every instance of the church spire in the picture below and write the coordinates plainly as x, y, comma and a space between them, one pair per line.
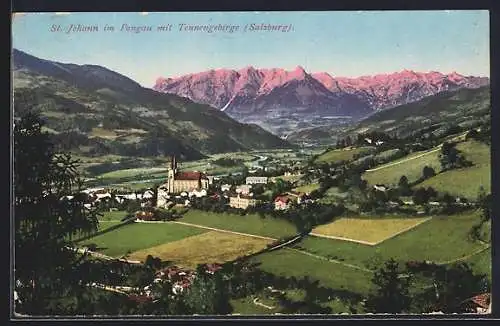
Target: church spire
173, 163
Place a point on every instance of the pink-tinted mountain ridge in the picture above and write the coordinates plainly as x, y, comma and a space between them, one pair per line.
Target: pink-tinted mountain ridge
250, 90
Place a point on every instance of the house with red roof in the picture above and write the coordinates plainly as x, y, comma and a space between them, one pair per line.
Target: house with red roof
282, 203
480, 304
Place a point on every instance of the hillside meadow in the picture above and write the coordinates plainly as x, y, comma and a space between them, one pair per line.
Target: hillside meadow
466, 182
410, 166
286, 262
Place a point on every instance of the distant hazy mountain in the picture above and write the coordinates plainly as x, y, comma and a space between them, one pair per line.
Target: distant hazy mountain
93, 110
463, 108
253, 91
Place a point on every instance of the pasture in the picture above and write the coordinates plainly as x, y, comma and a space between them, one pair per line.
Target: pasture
208, 247
466, 182
338, 155
250, 224
442, 239
411, 166
288, 263
137, 236
370, 230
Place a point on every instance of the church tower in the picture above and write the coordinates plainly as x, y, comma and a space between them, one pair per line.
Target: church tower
172, 171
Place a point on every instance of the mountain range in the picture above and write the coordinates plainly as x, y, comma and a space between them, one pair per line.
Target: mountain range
277, 92
92, 110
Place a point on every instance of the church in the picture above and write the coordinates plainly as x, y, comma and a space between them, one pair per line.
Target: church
178, 182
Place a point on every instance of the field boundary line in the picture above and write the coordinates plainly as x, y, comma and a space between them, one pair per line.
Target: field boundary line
405, 230
222, 230
405, 160
342, 238
476, 252
330, 260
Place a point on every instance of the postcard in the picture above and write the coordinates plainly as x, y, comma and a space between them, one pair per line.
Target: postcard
251, 163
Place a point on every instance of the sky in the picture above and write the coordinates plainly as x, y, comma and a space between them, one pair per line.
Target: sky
342, 43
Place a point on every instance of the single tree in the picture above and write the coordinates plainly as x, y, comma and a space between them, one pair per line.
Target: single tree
428, 172
420, 196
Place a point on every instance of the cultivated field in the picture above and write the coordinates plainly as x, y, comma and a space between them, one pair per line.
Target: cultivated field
137, 236
338, 155
442, 239
411, 166
209, 247
367, 230
466, 182
250, 224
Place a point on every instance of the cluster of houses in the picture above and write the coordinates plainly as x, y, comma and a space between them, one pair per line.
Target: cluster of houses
180, 278
97, 195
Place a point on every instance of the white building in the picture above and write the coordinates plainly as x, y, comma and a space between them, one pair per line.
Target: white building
256, 180
163, 197
380, 188
198, 193
244, 189
225, 187
148, 194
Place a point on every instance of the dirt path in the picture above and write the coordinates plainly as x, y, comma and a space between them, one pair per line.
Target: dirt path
222, 230
405, 160
257, 303
331, 260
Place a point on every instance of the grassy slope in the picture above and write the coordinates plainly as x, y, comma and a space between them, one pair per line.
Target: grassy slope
290, 263
251, 224
136, 236
466, 182
411, 166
